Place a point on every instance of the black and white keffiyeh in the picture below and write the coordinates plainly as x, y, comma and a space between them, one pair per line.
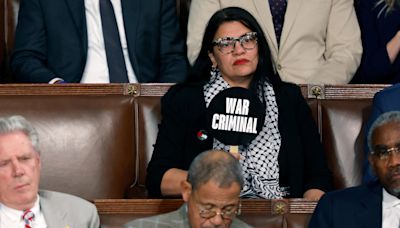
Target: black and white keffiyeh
259, 157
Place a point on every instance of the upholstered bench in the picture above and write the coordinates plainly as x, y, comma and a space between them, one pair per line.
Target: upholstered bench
96, 141
86, 141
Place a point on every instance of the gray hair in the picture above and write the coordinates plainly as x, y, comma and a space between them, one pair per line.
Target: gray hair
387, 117
216, 165
19, 123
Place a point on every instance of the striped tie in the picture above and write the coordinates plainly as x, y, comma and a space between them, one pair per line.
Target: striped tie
28, 217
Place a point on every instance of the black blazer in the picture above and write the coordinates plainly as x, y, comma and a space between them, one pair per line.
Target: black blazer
357, 207
301, 158
51, 40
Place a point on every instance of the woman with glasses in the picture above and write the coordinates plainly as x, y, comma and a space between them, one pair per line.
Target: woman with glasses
286, 158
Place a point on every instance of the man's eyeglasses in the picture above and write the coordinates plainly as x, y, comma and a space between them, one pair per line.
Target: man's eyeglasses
225, 214
383, 152
226, 45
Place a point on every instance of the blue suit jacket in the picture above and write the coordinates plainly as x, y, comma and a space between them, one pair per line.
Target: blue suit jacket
376, 32
357, 207
384, 101
51, 40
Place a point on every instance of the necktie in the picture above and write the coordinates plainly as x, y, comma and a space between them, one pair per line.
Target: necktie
278, 9
112, 43
28, 217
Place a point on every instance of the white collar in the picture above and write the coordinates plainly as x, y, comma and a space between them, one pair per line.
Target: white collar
15, 214
389, 200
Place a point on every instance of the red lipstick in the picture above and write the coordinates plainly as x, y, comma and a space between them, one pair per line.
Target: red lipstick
240, 62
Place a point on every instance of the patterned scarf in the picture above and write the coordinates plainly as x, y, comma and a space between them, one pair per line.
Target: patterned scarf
259, 157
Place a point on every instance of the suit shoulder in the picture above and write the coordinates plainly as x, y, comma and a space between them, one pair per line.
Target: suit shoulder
386, 99
63, 198
288, 94
183, 93
237, 223
287, 88
390, 91
168, 220
348, 194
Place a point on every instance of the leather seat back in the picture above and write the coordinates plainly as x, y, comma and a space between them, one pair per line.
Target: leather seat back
86, 142
342, 123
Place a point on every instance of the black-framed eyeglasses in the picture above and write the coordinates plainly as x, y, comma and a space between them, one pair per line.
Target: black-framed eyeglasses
225, 213
384, 152
226, 45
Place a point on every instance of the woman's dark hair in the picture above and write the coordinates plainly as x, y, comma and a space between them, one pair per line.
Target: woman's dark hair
200, 72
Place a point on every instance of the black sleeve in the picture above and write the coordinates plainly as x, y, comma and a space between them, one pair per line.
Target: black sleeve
174, 64
317, 173
29, 60
169, 148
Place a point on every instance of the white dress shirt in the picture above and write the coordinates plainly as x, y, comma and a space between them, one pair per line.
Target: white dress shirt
96, 69
10, 217
390, 210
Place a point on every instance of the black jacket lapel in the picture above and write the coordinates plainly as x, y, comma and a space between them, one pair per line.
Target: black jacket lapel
370, 214
77, 10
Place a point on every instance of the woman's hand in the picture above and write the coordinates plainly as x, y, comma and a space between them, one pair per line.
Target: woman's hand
393, 47
313, 194
171, 182
236, 155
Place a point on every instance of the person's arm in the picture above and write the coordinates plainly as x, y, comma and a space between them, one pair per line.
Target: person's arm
172, 179
28, 62
378, 55
317, 173
174, 64
393, 47
343, 46
171, 182
199, 14
165, 169
322, 215
313, 194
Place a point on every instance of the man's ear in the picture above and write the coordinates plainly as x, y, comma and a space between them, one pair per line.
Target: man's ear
39, 159
212, 58
186, 190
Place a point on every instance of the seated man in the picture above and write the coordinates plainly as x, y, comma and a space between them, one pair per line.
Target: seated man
211, 193
375, 204
96, 41
384, 101
21, 203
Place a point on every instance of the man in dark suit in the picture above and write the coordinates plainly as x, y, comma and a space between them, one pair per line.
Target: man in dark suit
64, 40
376, 204
384, 101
